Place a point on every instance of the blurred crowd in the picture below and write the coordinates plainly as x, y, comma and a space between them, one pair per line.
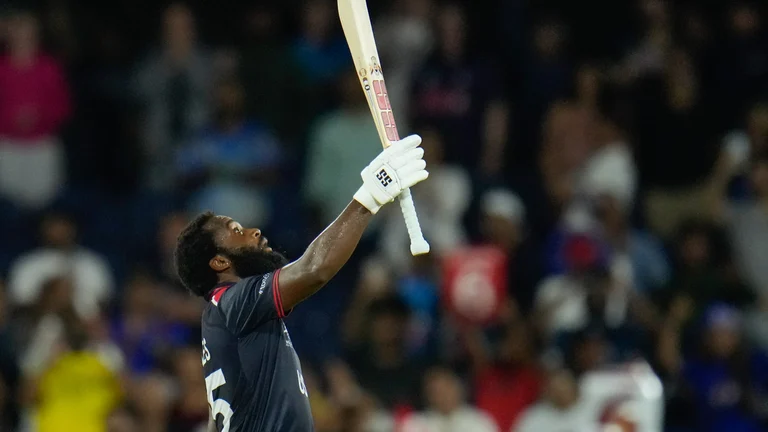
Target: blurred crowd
598, 197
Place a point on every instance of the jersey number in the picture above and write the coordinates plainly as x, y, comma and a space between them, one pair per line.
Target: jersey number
218, 406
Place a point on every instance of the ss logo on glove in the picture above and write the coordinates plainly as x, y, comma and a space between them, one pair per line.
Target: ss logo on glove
384, 178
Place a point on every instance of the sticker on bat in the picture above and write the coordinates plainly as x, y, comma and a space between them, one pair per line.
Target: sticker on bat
387, 118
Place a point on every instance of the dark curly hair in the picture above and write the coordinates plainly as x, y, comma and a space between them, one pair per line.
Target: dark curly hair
194, 249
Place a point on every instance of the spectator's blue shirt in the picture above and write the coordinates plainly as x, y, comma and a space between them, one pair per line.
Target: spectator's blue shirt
650, 267
142, 351
250, 147
719, 395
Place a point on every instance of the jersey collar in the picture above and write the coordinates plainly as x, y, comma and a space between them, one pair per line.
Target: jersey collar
218, 290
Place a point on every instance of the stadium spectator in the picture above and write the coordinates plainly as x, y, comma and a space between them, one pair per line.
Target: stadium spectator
190, 411
725, 378
503, 225
747, 226
559, 409
459, 95
271, 91
570, 135
381, 363
447, 409
230, 164
742, 64
651, 53
699, 273
34, 104
507, 379
173, 85
562, 301
145, 333
404, 37
336, 136
320, 52
739, 146
39, 331
151, 396
61, 256
546, 76
672, 122
639, 251
122, 420
55, 398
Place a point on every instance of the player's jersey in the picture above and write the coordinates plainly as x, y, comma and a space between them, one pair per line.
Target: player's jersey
252, 373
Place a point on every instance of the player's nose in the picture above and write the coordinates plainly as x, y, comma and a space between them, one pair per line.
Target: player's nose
256, 232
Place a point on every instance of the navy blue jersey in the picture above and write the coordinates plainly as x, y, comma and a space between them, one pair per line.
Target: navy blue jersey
252, 373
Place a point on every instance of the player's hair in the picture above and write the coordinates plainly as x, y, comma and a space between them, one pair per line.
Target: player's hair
194, 249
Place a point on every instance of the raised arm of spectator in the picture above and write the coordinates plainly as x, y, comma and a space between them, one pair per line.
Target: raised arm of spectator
668, 352
375, 282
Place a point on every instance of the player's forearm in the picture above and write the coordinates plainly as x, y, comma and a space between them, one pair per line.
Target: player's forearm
397, 168
324, 257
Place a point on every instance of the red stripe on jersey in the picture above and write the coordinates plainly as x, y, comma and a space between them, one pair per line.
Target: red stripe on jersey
217, 293
276, 295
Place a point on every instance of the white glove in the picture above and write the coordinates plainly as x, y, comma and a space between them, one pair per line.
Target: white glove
397, 168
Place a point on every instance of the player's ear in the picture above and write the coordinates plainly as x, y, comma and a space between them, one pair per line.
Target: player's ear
220, 263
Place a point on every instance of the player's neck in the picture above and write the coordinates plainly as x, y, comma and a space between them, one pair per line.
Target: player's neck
228, 278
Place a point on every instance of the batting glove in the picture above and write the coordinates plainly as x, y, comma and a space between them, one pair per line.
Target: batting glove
397, 168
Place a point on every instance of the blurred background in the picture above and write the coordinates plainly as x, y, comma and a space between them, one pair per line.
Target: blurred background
597, 209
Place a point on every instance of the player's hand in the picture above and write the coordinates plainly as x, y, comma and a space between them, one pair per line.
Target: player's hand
397, 168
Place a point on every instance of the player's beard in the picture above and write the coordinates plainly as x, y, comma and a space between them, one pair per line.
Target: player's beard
253, 262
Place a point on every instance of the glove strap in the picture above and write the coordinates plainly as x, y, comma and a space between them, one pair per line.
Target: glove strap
367, 200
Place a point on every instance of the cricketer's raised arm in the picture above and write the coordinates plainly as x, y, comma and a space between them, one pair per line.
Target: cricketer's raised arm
396, 169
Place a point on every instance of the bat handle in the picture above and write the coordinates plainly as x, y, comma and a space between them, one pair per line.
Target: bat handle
419, 246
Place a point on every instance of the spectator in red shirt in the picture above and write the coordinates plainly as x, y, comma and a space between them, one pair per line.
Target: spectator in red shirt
34, 102
507, 381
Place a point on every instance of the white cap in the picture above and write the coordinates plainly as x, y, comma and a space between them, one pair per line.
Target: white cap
611, 171
503, 203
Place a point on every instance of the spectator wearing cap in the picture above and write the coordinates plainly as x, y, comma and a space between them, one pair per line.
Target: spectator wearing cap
726, 380
563, 302
503, 225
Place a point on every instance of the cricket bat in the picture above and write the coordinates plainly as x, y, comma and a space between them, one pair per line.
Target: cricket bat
359, 33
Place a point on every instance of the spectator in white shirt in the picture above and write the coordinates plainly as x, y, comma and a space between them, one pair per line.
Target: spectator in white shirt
447, 410
559, 411
61, 256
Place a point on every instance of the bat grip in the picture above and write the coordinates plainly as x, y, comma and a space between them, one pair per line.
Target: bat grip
419, 245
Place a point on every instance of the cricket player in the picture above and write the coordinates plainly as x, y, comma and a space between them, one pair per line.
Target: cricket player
252, 373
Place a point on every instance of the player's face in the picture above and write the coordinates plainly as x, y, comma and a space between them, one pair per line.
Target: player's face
246, 248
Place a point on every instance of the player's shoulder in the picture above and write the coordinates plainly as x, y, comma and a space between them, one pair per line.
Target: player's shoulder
225, 292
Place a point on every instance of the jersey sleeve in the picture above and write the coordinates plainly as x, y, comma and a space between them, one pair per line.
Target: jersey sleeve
252, 302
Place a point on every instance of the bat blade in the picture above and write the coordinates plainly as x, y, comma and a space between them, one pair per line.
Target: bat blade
358, 31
